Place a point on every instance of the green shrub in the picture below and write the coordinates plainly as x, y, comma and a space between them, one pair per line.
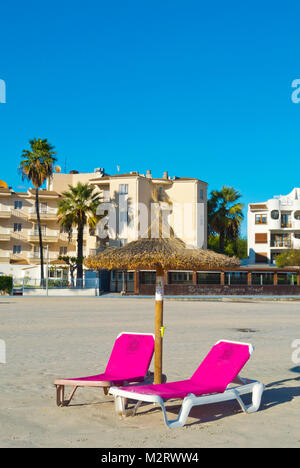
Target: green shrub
6, 284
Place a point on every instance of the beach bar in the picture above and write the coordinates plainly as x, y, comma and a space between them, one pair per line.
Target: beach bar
240, 281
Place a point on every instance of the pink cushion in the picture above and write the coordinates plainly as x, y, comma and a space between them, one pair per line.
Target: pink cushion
220, 367
114, 379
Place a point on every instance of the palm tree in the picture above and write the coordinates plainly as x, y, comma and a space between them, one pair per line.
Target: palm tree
36, 166
76, 209
225, 214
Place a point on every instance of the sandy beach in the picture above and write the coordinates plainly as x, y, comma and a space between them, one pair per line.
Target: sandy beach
47, 338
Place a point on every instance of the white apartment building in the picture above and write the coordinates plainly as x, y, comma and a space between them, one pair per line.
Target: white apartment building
273, 227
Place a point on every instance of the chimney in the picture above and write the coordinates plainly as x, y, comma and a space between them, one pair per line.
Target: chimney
148, 174
166, 175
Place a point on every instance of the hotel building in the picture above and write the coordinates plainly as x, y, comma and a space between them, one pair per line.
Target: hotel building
19, 241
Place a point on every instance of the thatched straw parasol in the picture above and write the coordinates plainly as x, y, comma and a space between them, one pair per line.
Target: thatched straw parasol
159, 254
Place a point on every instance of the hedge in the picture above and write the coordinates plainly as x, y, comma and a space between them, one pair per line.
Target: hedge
6, 284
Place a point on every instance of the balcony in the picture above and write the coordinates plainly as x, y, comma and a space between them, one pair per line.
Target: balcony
281, 244
18, 257
4, 256
5, 212
47, 236
4, 234
64, 236
49, 214
34, 257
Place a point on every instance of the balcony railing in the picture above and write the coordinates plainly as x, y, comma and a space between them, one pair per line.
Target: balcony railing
48, 236
37, 256
4, 235
45, 213
5, 211
281, 243
4, 254
4, 231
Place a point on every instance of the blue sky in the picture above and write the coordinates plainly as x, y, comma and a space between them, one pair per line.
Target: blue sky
196, 88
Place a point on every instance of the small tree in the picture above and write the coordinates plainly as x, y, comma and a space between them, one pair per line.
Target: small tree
72, 263
289, 258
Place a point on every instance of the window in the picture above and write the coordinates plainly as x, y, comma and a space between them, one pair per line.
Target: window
63, 251
297, 215
281, 240
130, 276
18, 205
201, 194
106, 195
260, 219
262, 278
180, 277
297, 235
43, 207
286, 220
261, 238
208, 278
273, 257
287, 278
17, 227
147, 277
123, 189
236, 278
17, 249
43, 229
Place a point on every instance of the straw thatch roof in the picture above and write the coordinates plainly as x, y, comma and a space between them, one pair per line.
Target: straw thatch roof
167, 253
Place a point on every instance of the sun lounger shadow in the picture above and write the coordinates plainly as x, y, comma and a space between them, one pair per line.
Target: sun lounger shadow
204, 414
272, 397
279, 395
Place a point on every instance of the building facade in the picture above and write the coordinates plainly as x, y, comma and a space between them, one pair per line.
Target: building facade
129, 194
273, 227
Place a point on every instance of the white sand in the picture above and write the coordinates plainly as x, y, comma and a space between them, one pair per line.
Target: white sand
50, 338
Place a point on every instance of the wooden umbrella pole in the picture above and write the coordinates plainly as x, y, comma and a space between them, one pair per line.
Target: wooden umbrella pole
159, 305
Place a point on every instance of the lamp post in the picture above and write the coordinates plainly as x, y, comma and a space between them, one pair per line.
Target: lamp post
47, 271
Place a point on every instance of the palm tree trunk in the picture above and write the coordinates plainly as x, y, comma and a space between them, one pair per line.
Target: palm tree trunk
80, 251
222, 241
37, 208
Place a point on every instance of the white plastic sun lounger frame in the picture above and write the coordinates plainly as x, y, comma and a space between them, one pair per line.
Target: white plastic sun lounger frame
245, 386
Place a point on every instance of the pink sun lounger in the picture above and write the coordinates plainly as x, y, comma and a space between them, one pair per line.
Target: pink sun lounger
128, 363
209, 384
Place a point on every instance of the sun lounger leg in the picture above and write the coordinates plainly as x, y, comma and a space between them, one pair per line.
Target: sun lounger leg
257, 391
182, 415
120, 404
60, 394
67, 402
105, 390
